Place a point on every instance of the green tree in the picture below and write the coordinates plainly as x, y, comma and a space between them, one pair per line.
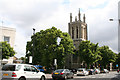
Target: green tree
118, 59
89, 52
45, 48
7, 50
107, 55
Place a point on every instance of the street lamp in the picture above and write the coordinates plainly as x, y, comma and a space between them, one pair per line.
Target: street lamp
118, 32
118, 35
58, 42
33, 43
31, 57
118, 25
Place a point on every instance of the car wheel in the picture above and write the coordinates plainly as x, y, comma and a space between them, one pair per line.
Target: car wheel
42, 78
53, 79
72, 77
65, 77
22, 78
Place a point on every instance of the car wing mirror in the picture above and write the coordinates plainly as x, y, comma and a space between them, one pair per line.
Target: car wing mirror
38, 71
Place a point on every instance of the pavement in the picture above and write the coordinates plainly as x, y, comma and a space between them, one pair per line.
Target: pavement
48, 76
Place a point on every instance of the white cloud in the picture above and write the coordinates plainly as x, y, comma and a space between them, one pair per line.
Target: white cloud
42, 14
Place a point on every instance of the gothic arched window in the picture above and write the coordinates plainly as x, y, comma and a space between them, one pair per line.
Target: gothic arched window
72, 33
76, 32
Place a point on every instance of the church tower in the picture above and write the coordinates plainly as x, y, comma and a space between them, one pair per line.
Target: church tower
77, 29
78, 32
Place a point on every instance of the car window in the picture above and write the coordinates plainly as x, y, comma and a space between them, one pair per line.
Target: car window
18, 67
80, 70
33, 69
39, 67
67, 71
8, 68
27, 68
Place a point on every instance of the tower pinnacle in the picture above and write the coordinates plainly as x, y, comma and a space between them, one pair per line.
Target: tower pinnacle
84, 18
79, 15
70, 17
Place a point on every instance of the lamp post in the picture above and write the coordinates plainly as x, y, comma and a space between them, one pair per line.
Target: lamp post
118, 25
118, 28
55, 60
118, 31
33, 45
118, 36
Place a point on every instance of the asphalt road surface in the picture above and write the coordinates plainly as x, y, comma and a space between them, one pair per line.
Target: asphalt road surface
103, 76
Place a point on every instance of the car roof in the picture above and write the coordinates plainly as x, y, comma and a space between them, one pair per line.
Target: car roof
81, 68
18, 64
89, 69
37, 65
60, 69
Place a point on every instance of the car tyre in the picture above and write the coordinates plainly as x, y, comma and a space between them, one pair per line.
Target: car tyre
22, 78
72, 77
42, 78
65, 77
53, 78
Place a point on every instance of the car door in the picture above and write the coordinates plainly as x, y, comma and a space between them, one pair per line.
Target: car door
35, 73
28, 73
68, 73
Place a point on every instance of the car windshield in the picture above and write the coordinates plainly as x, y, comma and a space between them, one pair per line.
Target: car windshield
39, 67
8, 68
97, 69
80, 70
59, 70
88, 69
105, 69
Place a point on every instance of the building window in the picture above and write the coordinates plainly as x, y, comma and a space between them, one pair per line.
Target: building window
83, 33
72, 33
7, 39
76, 32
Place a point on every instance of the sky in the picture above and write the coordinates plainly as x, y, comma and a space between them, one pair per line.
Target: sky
24, 15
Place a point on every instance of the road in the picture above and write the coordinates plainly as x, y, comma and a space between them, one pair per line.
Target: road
103, 76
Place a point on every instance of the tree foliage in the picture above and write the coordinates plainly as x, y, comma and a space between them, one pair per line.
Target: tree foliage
45, 48
7, 50
107, 55
88, 52
118, 59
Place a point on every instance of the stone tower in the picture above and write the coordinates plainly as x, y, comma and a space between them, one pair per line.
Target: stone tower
77, 29
78, 32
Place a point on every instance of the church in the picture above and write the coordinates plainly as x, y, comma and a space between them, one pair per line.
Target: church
78, 31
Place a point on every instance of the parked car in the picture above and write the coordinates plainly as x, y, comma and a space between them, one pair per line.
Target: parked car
91, 71
73, 70
21, 72
40, 68
104, 71
118, 70
62, 74
82, 71
97, 71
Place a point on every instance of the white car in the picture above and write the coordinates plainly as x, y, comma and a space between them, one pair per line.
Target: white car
97, 71
82, 71
21, 72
